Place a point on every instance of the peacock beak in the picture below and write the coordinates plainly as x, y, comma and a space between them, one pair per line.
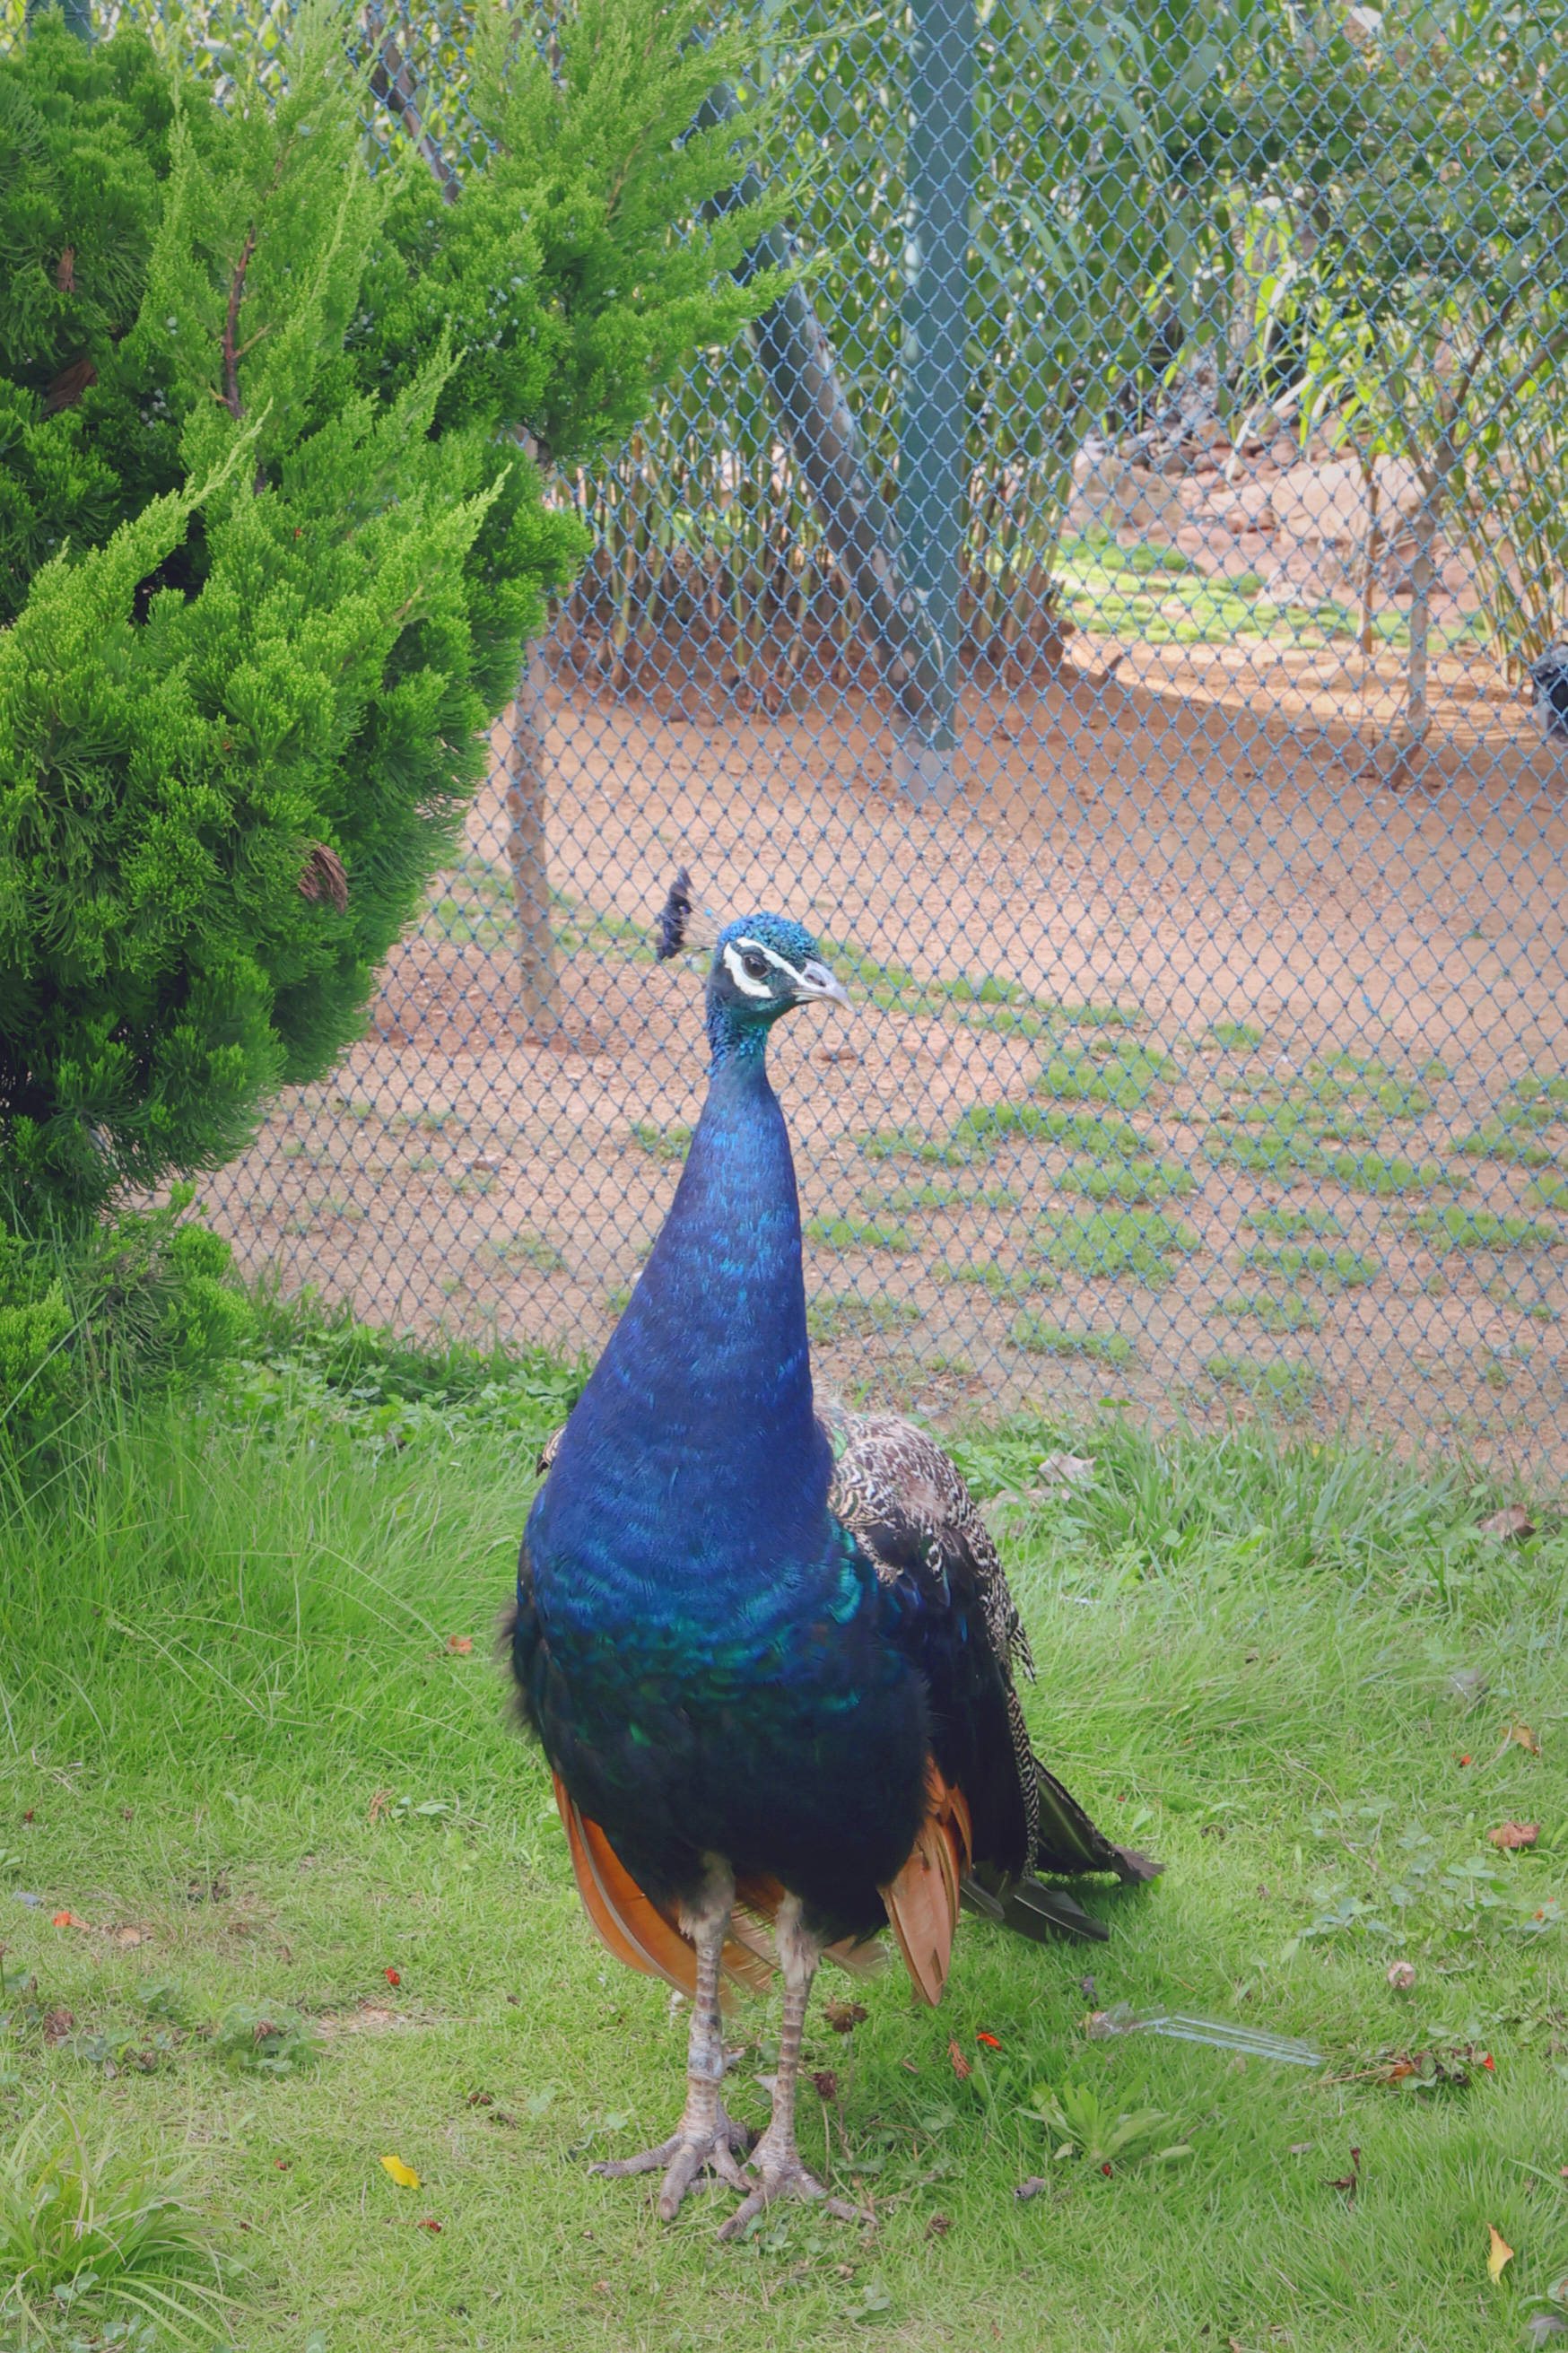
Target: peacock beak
814, 981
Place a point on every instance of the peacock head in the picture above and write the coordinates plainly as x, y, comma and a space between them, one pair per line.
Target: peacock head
764, 966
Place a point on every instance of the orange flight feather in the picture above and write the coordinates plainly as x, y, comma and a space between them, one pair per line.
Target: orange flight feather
630, 1923
922, 1902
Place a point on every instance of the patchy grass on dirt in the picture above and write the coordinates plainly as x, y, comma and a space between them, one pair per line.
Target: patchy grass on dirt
284, 1897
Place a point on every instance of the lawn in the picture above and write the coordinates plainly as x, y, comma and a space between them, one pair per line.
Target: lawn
255, 1745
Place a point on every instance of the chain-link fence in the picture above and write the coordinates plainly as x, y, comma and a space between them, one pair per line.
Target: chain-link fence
1153, 701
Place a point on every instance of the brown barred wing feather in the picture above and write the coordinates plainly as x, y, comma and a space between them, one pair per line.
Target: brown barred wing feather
907, 1502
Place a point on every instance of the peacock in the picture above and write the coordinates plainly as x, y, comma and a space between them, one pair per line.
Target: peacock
769, 1647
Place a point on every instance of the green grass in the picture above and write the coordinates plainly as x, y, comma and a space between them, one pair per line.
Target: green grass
1281, 1382
832, 1316
1129, 1181
1042, 1339
1457, 1229
1500, 1140
842, 1233
914, 1144
249, 1738
921, 1200
1290, 1219
1126, 1078
1240, 1037
1136, 1242
1383, 1175
668, 1144
1272, 1311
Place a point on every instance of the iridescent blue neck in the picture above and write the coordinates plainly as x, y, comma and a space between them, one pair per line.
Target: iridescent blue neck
694, 1450
736, 1037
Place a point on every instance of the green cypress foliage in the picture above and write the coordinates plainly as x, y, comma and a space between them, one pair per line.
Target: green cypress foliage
271, 536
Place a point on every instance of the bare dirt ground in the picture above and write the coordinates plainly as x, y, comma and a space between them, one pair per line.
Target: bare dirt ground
1206, 840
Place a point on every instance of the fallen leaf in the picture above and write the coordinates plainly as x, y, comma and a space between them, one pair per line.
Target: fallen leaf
1464, 1759
404, 2175
391, 1977
1031, 2187
281, 2165
482, 2099
1541, 2326
1512, 1836
131, 1938
58, 2024
461, 1644
939, 2226
1401, 1975
1501, 2255
67, 1920
429, 2223
1520, 1734
1067, 1469
1512, 1522
379, 1805
960, 2066
1489, 2063
843, 2017
990, 2042
827, 2083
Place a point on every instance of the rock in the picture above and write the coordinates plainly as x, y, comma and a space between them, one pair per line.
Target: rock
1118, 496
1511, 1524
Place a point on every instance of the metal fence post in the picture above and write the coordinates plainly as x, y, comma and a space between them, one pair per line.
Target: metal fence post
932, 465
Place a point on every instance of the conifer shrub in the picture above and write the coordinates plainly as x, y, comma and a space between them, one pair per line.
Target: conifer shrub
272, 533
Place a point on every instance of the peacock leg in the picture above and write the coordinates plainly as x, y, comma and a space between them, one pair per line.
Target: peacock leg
775, 2158
706, 2135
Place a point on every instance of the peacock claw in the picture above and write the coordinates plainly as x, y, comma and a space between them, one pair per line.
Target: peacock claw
692, 2149
783, 2176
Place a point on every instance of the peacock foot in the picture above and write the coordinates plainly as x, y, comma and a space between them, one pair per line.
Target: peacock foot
700, 2143
781, 2174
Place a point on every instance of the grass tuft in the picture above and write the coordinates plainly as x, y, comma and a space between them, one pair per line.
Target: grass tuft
1126, 1078
1042, 1339
1459, 1229
1288, 1385
842, 1233
669, 1143
84, 2223
1140, 1243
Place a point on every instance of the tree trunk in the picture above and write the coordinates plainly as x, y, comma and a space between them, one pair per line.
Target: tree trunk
797, 363
1373, 552
1423, 571
527, 848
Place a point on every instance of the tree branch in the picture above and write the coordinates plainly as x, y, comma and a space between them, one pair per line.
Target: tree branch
231, 327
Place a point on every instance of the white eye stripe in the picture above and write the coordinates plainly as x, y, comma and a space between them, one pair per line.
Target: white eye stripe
779, 963
738, 973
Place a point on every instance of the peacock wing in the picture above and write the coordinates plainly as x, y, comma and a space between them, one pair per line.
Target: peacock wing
907, 1502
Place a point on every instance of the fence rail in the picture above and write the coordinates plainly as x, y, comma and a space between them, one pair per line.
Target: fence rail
1210, 1047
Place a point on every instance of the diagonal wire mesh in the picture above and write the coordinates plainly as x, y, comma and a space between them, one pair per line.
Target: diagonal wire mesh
1211, 1047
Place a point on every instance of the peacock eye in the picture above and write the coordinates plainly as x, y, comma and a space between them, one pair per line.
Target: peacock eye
755, 965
